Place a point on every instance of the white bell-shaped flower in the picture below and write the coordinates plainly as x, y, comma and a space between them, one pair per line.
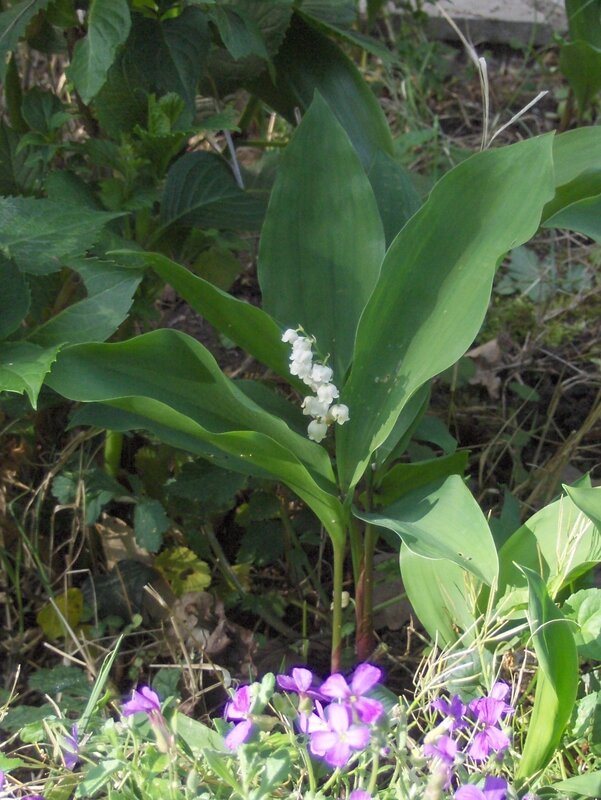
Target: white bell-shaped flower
317, 430
339, 413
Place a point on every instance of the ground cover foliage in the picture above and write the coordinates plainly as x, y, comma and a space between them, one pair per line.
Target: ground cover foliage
299, 380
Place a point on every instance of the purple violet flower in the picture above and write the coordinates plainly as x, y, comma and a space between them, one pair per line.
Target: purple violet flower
363, 679
301, 681
336, 742
238, 710
494, 789
70, 748
33, 797
360, 794
2, 780
143, 700
455, 710
488, 712
146, 701
443, 748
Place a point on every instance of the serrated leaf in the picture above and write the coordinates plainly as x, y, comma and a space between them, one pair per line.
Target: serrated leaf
109, 23
67, 607
183, 570
150, 523
24, 366
40, 234
95, 318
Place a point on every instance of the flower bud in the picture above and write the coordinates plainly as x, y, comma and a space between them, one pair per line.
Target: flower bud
317, 430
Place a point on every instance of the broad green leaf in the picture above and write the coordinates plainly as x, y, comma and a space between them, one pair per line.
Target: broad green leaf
445, 609
40, 234
580, 62
201, 190
94, 319
405, 426
557, 678
196, 387
23, 367
13, 23
43, 111
108, 23
442, 521
558, 542
251, 453
435, 285
404, 478
584, 607
588, 500
309, 61
197, 404
575, 153
14, 297
246, 325
587, 785
321, 273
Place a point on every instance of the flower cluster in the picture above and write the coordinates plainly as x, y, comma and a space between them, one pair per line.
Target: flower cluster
479, 724
337, 716
318, 377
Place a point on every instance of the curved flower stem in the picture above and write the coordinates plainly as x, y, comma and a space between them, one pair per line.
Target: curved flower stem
333, 777
373, 778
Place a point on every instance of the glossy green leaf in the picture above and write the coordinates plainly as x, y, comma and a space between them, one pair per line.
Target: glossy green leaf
435, 285
404, 478
246, 325
201, 190
198, 403
14, 297
445, 609
557, 678
405, 426
40, 234
559, 543
575, 153
442, 521
109, 23
13, 23
23, 368
110, 295
309, 61
320, 274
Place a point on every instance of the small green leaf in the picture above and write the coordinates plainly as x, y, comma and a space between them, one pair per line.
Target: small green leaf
588, 785
108, 23
184, 570
150, 523
584, 608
